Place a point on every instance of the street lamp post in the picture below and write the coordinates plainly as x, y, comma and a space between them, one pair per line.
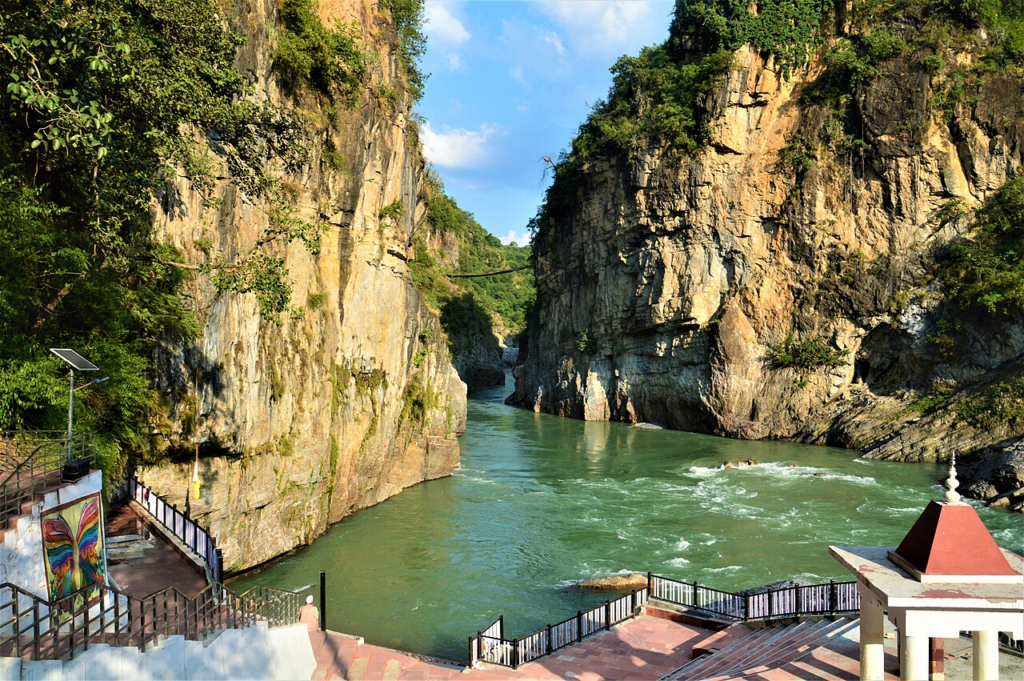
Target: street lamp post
75, 361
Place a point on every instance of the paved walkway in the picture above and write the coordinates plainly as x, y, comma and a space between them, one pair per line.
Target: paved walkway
640, 649
160, 566
644, 648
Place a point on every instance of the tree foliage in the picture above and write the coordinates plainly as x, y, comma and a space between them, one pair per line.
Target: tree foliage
787, 30
806, 355
985, 274
103, 103
467, 305
307, 52
408, 16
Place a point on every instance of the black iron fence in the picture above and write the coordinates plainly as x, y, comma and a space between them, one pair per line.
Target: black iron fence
34, 629
492, 647
834, 598
32, 460
193, 535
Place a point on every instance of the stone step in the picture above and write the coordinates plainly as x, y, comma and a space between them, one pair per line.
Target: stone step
762, 651
749, 648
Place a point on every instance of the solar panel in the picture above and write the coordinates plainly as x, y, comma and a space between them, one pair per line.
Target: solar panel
76, 361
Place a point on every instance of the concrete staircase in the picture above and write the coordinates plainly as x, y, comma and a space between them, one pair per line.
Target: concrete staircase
18, 505
253, 653
760, 651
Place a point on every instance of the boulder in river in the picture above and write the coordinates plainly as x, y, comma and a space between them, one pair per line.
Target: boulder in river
633, 580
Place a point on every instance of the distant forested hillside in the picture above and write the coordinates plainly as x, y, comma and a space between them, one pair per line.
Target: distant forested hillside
452, 242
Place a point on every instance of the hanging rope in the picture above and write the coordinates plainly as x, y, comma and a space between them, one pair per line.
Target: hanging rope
488, 274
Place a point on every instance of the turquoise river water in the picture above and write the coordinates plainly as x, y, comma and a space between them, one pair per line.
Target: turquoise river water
541, 502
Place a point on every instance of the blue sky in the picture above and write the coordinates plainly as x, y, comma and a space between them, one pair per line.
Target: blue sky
510, 82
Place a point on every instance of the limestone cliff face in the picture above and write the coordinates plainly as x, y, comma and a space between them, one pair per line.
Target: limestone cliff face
660, 297
353, 396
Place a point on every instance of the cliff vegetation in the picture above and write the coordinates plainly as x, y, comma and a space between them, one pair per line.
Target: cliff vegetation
209, 201
799, 220
452, 250
101, 104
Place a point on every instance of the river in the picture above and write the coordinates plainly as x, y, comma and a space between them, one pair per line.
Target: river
541, 502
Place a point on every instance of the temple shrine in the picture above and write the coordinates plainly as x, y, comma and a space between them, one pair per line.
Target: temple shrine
946, 576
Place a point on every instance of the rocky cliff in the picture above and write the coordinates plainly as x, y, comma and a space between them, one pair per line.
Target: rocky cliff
349, 397
773, 283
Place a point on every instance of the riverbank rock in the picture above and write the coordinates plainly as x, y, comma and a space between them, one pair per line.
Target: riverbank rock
477, 358
995, 474
633, 580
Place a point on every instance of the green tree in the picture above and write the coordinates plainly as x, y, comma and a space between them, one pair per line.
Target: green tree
409, 17
985, 274
105, 101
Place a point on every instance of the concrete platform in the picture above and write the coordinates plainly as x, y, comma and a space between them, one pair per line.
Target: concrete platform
644, 648
158, 567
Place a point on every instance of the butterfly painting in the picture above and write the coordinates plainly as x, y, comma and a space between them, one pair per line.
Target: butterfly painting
74, 557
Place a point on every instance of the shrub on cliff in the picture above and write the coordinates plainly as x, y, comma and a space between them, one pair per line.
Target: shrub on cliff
985, 273
307, 52
805, 355
409, 18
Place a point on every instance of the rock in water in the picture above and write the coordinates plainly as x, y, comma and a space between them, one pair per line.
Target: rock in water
996, 474
634, 580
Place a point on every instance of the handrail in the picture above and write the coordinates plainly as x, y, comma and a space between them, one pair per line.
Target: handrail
34, 629
492, 647
192, 534
43, 466
833, 598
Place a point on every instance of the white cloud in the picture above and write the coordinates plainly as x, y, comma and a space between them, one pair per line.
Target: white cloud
517, 73
609, 26
446, 34
516, 238
443, 26
458, 147
535, 50
555, 41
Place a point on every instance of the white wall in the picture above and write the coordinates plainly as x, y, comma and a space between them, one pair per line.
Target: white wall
253, 653
21, 554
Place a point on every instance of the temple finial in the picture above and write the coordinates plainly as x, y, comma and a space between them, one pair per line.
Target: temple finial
952, 483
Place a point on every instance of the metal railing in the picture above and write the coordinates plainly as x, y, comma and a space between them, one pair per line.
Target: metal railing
32, 460
492, 647
192, 534
34, 629
834, 598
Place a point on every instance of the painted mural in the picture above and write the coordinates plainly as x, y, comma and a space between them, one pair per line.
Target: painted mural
73, 547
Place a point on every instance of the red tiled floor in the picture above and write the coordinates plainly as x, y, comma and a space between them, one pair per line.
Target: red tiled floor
644, 648
160, 567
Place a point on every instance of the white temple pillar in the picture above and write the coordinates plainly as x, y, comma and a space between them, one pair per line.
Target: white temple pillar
986, 655
914, 663
872, 636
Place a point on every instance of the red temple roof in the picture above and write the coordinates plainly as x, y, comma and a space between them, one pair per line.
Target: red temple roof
949, 540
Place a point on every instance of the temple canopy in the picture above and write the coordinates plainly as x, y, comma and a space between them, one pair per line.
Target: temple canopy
947, 576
